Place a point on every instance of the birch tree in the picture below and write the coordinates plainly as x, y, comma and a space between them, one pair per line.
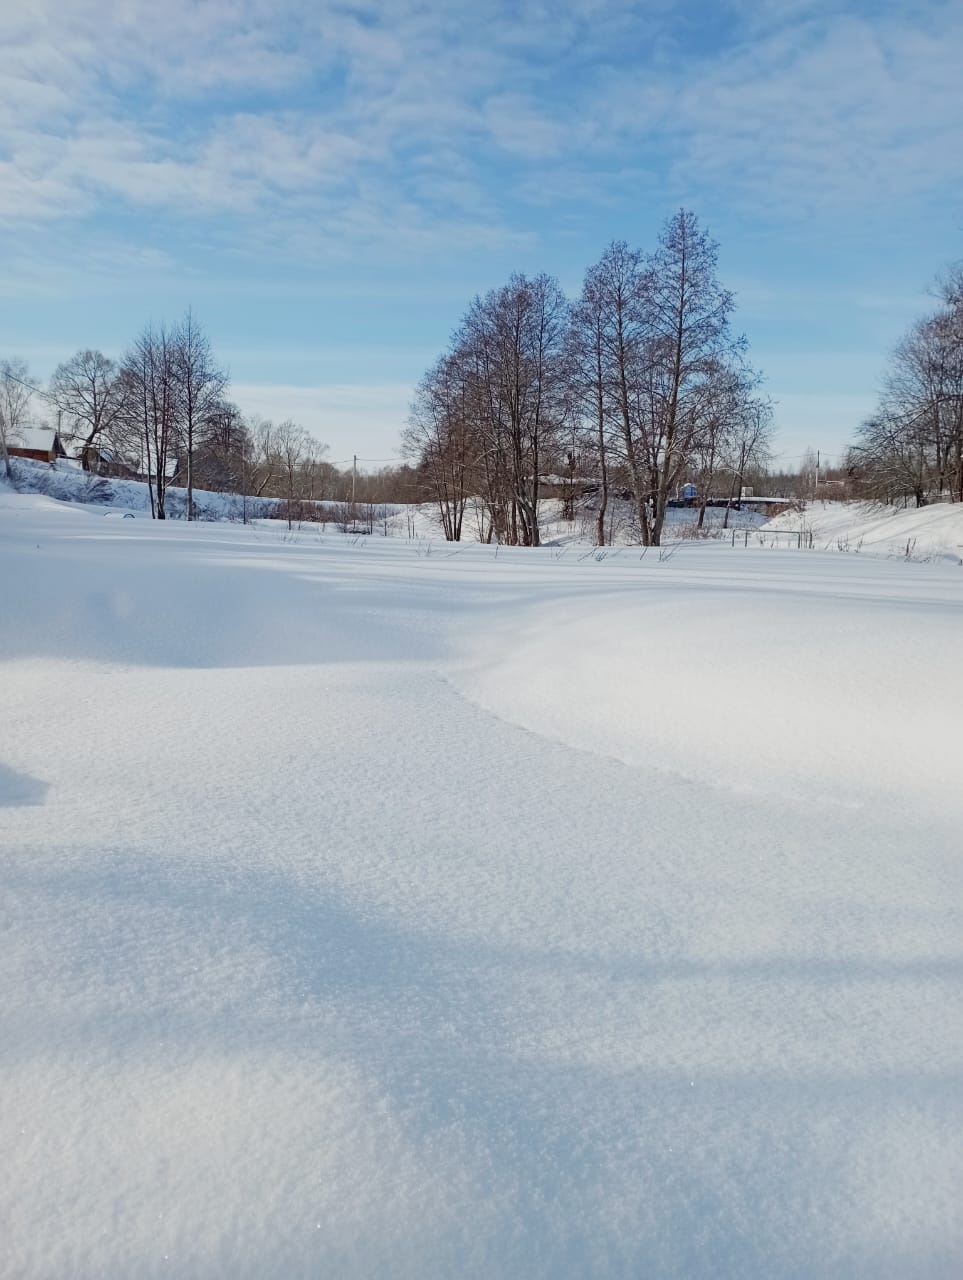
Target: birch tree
15, 396
685, 319
613, 292
513, 339
201, 388
589, 360
150, 369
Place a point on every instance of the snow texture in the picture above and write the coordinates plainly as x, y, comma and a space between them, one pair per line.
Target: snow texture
375, 907
934, 532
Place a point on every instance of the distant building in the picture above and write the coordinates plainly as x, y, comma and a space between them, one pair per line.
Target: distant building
39, 444
102, 461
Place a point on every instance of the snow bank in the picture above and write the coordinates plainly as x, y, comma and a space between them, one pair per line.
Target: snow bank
923, 533
371, 911
756, 677
66, 481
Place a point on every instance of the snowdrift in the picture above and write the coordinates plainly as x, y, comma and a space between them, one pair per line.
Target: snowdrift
371, 908
916, 533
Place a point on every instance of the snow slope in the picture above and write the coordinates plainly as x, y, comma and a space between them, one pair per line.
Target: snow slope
368, 911
915, 533
65, 481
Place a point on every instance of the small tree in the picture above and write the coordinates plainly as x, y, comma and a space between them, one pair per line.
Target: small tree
15, 396
439, 439
749, 445
293, 445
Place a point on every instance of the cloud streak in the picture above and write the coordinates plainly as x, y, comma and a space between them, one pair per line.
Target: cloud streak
310, 172
339, 114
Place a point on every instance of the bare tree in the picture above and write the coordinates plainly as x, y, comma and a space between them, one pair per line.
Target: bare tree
222, 456
264, 462
150, 368
91, 397
590, 371
615, 286
318, 477
725, 407
748, 445
439, 438
490, 412
201, 389
912, 446
633, 381
513, 344
686, 323
15, 396
293, 446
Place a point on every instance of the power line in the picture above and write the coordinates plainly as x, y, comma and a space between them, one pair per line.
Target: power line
345, 462
45, 395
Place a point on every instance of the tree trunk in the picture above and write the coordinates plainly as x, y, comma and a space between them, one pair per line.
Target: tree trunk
190, 472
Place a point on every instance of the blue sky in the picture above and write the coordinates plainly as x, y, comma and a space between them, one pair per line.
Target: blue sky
328, 185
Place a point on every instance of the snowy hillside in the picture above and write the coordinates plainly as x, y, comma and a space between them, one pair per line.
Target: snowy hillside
67, 482
916, 533
378, 907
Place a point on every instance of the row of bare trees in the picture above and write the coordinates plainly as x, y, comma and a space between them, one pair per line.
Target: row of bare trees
163, 413
911, 448
148, 414
637, 385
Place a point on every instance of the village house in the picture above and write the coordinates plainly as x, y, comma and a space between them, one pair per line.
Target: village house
39, 444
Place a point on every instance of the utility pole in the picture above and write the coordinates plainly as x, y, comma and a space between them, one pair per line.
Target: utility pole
816, 486
354, 477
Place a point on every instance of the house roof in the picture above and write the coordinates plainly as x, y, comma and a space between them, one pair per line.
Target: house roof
40, 438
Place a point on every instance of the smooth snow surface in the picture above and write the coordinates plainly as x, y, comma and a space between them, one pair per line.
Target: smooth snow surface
374, 912
934, 532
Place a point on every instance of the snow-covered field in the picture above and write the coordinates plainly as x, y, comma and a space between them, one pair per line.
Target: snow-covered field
371, 908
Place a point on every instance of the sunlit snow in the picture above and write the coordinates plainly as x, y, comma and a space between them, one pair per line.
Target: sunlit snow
374, 907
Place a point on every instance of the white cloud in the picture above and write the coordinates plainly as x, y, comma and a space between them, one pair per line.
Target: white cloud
350, 418
833, 114
329, 116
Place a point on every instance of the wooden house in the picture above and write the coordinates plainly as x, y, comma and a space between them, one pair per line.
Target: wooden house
39, 444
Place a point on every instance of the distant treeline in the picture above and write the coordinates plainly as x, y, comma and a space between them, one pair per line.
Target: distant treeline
911, 448
163, 414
